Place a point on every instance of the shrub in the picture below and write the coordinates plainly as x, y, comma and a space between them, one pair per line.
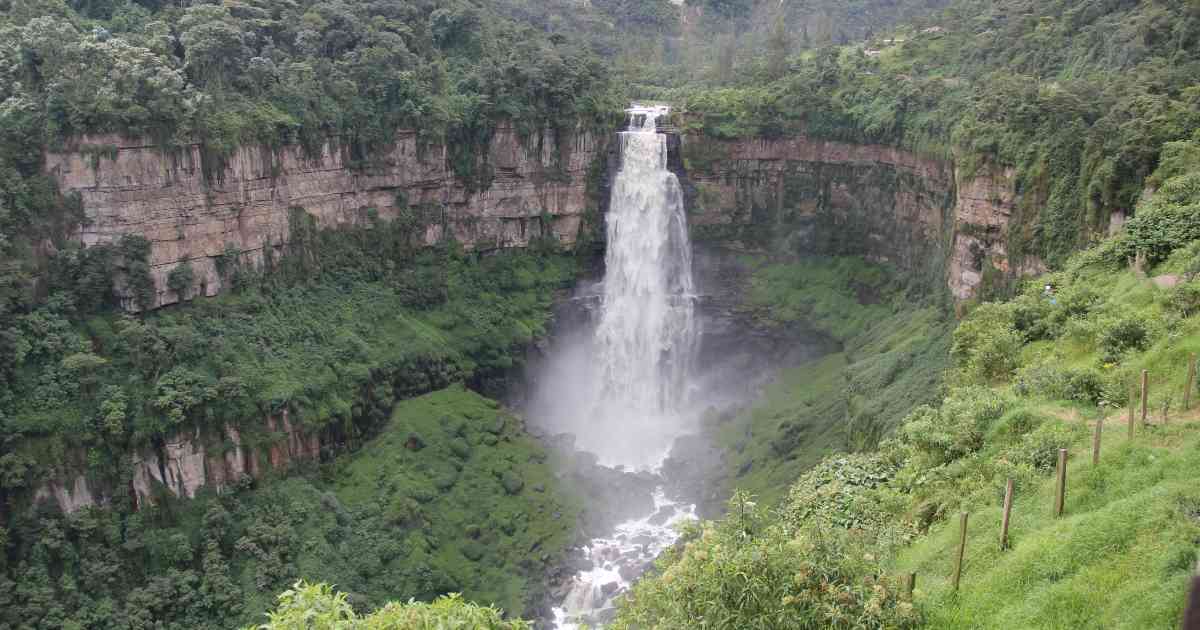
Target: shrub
317, 607
181, 279
1032, 316
1039, 448
1121, 336
940, 436
837, 493
986, 345
1013, 425
1185, 299
1048, 380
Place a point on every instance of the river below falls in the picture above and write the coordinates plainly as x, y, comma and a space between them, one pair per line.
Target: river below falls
611, 564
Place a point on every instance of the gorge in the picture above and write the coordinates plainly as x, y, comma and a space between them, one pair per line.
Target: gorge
397, 313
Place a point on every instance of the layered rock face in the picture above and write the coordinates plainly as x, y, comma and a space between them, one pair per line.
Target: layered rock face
195, 212
804, 196
218, 457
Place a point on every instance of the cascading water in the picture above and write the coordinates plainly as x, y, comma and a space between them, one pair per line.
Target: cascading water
641, 356
646, 337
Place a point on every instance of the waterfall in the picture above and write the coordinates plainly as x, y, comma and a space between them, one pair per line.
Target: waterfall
636, 366
647, 336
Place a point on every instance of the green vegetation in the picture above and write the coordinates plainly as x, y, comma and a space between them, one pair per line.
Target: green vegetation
327, 334
451, 496
266, 74
1030, 376
893, 350
318, 607
1078, 97
311, 336
858, 460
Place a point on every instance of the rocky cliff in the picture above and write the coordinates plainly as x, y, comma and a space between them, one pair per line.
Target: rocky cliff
193, 211
218, 457
801, 196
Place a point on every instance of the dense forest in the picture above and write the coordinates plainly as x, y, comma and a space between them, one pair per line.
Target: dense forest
1093, 104
1079, 97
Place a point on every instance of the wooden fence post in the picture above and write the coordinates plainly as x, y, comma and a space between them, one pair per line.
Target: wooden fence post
1145, 394
962, 550
1008, 501
1096, 442
1132, 393
1060, 495
1191, 382
910, 585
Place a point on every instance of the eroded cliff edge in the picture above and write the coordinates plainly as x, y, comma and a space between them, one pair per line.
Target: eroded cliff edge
196, 209
798, 196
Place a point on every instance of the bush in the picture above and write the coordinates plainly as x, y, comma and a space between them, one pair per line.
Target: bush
837, 493
1039, 448
317, 607
181, 279
1033, 317
1185, 299
940, 436
986, 345
1121, 336
1048, 380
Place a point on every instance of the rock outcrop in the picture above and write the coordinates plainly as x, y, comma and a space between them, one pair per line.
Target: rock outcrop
188, 461
800, 196
194, 211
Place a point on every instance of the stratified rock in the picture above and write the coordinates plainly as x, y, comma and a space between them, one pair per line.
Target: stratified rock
539, 189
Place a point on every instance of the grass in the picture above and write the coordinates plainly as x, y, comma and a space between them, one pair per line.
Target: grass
452, 496
799, 413
1119, 558
894, 351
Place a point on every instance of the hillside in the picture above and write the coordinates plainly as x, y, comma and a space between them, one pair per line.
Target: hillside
1030, 375
1077, 98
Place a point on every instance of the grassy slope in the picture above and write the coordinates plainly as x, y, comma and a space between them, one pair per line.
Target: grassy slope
1120, 558
1030, 375
476, 510
893, 354
1122, 555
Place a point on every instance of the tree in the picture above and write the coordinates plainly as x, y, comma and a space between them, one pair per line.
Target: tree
778, 48
181, 279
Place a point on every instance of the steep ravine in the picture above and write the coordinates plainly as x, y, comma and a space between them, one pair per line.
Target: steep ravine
789, 196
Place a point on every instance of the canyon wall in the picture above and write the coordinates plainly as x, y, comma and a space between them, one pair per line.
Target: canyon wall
797, 196
194, 212
790, 196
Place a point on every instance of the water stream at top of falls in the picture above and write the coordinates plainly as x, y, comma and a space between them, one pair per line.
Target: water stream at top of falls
641, 356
